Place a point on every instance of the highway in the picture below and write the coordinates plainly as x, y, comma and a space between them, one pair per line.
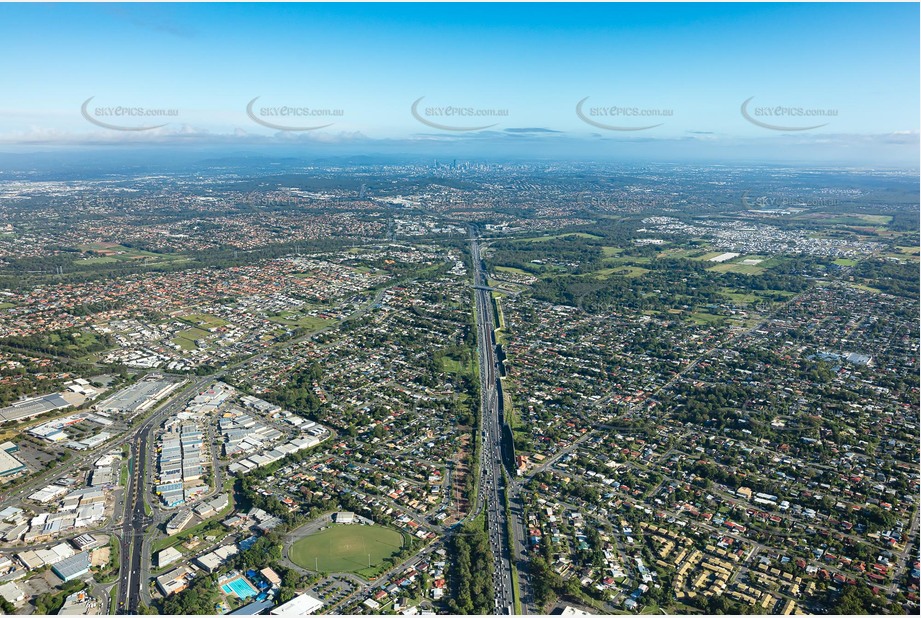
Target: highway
492, 479
134, 567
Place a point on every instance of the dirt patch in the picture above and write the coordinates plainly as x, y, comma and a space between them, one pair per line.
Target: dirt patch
100, 556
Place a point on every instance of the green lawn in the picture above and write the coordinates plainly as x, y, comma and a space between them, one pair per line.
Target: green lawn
702, 317
513, 270
500, 315
99, 260
458, 366
510, 416
623, 271
187, 338
852, 219
208, 527
552, 236
346, 548
737, 267
123, 254
876, 219
204, 320
738, 296
76, 344
305, 321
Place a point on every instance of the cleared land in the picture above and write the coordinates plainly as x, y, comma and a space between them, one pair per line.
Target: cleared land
346, 548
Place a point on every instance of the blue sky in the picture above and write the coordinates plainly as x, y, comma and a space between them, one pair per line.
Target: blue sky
692, 66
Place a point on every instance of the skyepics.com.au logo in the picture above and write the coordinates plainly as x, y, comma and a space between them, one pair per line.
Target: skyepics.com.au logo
119, 117
282, 117
446, 116
592, 116
771, 117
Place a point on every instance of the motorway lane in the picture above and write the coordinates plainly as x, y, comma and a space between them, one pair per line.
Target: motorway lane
493, 479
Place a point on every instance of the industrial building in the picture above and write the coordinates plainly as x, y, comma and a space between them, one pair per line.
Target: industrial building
78, 391
11, 592
138, 397
9, 464
73, 567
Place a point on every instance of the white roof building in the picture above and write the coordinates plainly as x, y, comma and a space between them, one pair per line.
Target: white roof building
168, 556
11, 592
303, 605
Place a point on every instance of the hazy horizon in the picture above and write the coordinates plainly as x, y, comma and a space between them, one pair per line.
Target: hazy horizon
813, 83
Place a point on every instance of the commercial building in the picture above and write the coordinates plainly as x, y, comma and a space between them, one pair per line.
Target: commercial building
85, 541
212, 507
168, 556
174, 581
73, 567
138, 397
303, 605
179, 521
9, 465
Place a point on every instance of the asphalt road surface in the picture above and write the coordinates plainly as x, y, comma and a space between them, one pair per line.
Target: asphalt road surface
134, 568
492, 479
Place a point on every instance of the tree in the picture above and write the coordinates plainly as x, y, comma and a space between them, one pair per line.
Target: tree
6, 606
285, 594
471, 571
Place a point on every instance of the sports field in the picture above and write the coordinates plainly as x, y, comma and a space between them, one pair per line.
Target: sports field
346, 548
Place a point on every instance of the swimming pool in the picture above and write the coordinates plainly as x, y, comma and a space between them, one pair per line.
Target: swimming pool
240, 587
